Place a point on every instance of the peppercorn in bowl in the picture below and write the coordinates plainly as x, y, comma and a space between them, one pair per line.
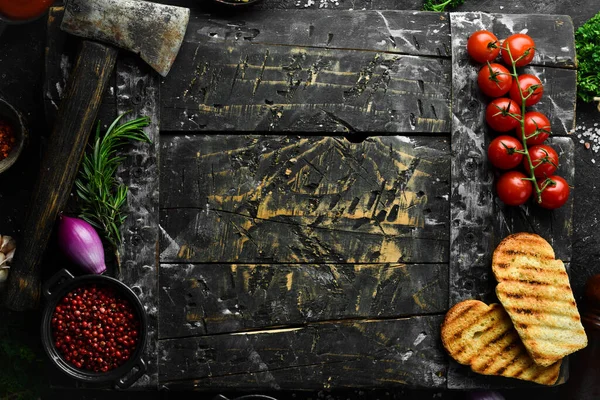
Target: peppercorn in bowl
94, 328
12, 135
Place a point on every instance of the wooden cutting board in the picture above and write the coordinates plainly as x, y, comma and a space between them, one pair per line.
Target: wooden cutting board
324, 194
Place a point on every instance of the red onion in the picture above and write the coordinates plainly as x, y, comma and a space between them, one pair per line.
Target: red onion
81, 244
484, 395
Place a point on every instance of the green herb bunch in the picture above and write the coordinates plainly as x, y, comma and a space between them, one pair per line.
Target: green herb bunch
101, 196
440, 5
587, 44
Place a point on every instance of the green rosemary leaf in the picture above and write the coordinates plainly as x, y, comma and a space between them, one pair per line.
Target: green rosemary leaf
101, 197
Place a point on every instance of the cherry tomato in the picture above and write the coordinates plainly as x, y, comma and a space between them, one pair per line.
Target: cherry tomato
483, 46
536, 124
497, 114
556, 193
544, 160
531, 87
513, 189
522, 49
494, 80
502, 154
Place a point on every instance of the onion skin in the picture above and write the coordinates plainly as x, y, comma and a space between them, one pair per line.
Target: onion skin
80, 242
484, 395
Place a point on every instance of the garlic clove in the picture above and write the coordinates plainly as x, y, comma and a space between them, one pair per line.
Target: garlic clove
3, 274
7, 244
10, 256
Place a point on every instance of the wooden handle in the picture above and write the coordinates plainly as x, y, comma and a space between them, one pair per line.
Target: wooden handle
59, 168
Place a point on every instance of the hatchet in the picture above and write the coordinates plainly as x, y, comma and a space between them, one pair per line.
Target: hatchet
154, 32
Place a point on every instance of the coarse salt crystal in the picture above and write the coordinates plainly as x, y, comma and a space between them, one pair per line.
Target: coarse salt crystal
593, 161
582, 141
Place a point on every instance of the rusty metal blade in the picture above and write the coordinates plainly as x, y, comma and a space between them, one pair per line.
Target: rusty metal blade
154, 31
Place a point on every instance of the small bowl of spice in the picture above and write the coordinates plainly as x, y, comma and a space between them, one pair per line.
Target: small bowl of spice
94, 329
237, 3
12, 135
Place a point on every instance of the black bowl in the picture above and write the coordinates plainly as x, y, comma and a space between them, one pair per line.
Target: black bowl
9, 114
237, 3
59, 286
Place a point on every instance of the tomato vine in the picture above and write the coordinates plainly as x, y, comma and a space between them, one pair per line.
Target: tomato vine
505, 114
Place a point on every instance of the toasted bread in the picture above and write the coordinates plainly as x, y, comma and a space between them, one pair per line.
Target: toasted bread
534, 289
484, 338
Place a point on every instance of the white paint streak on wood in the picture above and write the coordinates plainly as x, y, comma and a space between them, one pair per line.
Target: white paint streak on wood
395, 33
471, 195
507, 21
266, 331
405, 356
139, 171
170, 252
420, 337
562, 114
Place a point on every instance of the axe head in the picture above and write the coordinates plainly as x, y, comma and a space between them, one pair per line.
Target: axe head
154, 31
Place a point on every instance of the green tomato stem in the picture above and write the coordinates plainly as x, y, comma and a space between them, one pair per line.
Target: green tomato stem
538, 190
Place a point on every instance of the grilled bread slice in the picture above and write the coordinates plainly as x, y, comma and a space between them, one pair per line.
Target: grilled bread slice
484, 338
534, 289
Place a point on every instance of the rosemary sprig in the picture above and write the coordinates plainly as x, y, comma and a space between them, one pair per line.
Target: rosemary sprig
101, 196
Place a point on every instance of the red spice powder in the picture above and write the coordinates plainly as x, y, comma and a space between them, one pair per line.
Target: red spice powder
7, 139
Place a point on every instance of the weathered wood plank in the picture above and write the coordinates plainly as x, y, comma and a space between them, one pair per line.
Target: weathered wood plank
417, 33
138, 91
369, 353
558, 101
284, 88
479, 221
265, 6
553, 35
193, 235
257, 199
555, 226
200, 299
401, 32
203, 169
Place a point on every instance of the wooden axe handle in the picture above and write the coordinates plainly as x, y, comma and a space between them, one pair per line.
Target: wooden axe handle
76, 119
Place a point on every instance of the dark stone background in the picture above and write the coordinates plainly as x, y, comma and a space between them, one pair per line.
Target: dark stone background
21, 76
